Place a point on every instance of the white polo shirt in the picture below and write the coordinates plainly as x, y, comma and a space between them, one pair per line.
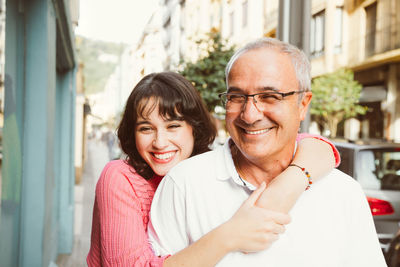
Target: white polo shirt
331, 222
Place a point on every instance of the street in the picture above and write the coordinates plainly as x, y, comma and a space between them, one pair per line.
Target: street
84, 199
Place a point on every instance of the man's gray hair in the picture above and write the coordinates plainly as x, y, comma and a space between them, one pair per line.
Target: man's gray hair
299, 59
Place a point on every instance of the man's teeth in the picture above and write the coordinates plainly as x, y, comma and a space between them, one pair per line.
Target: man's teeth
257, 132
164, 155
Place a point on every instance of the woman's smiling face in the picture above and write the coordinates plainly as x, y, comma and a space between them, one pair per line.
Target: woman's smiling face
162, 142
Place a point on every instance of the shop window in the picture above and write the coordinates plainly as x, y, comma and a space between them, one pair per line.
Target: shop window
370, 31
317, 34
244, 13
338, 30
232, 23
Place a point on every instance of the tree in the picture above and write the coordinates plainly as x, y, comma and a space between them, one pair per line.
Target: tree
100, 60
208, 72
335, 98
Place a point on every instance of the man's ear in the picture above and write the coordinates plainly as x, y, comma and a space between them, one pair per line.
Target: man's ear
305, 102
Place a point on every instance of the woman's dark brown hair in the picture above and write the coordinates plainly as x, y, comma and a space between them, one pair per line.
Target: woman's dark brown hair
177, 99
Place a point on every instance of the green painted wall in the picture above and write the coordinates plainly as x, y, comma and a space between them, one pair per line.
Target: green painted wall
12, 138
66, 114
36, 212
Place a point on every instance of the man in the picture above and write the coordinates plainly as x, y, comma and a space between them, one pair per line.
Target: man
268, 95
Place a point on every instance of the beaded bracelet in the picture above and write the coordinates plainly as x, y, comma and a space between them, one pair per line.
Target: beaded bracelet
306, 173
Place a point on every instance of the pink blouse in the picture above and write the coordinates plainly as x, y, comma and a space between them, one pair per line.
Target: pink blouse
121, 213
120, 216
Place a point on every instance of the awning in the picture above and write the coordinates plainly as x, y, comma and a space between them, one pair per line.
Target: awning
373, 94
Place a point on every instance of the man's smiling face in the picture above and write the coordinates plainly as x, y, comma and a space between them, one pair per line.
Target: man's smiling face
262, 133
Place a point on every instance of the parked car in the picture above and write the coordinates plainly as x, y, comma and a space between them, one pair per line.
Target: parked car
393, 254
376, 166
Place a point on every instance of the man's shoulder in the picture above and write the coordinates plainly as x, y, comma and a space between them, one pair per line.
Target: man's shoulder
200, 161
339, 176
340, 181
198, 168
335, 192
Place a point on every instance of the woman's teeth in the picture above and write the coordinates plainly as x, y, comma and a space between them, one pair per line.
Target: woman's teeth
164, 155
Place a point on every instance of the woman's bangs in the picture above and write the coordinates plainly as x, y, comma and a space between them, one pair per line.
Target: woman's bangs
170, 106
144, 109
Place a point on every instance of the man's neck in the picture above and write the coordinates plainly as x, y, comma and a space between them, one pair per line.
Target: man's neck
256, 171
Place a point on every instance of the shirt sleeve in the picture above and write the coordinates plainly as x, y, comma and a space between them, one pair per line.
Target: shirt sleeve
334, 149
167, 226
362, 247
123, 238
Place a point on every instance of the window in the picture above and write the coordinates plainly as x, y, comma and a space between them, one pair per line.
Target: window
379, 169
232, 22
370, 30
338, 29
244, 14
317, 34
346, 160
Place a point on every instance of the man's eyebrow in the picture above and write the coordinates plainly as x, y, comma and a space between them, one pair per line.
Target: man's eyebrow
233, 89
270, 88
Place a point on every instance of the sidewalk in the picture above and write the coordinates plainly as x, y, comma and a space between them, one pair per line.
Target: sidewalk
84, 199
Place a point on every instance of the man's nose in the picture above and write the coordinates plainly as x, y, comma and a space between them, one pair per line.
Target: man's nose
250, 112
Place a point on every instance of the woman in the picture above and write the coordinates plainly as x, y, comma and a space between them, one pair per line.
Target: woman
164, 123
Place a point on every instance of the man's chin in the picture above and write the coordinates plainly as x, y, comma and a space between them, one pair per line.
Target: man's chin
261, 140
256, 149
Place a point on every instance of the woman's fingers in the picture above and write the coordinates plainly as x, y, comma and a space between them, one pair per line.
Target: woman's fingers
259, 227
264, 241
277, 229
255, 195
277, 217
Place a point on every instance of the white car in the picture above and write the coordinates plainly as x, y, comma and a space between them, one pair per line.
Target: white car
376, 166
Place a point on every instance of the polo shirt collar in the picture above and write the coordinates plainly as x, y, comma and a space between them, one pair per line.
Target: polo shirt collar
229, 170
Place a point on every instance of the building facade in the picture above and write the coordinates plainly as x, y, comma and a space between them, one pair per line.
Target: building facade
37, 200
374, 55
361, 35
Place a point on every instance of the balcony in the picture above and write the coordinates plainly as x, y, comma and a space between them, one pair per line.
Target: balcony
375, 47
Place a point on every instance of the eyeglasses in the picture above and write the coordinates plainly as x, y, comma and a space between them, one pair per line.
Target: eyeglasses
235, 101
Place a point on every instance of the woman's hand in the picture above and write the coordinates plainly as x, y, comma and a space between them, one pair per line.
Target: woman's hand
252, 228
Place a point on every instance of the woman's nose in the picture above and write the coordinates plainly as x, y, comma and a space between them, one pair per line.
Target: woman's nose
160, 140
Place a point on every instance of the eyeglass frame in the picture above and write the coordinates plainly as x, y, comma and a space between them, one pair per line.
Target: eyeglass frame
253, 95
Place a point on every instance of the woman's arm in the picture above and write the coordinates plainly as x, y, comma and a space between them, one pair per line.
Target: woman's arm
250, 229
119, 235
314, 153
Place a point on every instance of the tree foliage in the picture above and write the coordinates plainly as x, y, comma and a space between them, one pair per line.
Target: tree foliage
99, 59
208, 72
335, 98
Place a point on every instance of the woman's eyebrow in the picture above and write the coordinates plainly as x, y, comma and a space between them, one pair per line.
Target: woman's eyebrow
176, 119
142, 122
